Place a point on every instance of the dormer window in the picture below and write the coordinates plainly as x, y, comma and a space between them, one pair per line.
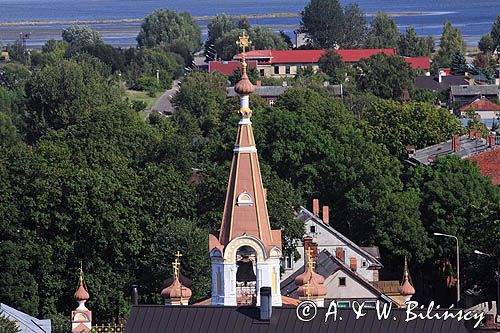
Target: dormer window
245, 199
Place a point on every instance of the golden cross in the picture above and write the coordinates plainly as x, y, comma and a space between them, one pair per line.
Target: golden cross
308, 291
244, 43
178, 255
175, 265
310, 260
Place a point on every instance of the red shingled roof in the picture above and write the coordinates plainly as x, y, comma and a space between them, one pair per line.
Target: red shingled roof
312, 56
228, 67
481, 104
419, 62
489, 163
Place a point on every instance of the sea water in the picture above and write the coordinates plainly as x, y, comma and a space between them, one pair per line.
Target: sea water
474, 18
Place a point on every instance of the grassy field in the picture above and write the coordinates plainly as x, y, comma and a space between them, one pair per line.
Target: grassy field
135, 95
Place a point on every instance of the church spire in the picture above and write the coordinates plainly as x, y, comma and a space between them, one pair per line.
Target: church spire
246, 254
245, 210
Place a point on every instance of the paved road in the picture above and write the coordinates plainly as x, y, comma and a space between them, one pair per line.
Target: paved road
163, 104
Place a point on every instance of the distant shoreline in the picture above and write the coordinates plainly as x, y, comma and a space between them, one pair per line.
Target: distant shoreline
197, 18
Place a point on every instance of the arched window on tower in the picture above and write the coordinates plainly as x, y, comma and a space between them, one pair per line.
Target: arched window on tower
246, 280
244, 199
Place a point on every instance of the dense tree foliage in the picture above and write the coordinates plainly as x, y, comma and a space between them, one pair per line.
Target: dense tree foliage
223, 34
410, 45
169, 28
397, 125
59, 95
383, 33
386, 76
328, 25
457, 200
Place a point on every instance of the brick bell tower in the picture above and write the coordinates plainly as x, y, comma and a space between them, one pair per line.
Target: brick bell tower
246, 254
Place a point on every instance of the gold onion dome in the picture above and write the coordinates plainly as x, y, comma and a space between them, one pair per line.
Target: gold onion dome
244, 86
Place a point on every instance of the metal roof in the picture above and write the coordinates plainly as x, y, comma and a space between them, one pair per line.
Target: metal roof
161, 318
468, 147
474, 90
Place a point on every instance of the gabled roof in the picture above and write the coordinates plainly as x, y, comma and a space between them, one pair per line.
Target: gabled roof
326, 265
481, 104
474, 90
180, 319
419, 62
228, 67
305, 215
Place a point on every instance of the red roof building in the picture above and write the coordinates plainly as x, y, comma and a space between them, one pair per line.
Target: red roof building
489, 163
287, 62
228, 67
423, 63
483, 107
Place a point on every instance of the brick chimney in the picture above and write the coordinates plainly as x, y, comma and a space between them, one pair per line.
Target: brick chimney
258, 83
316, 207
410, 150
326, 215
310, 245
491, 140
455, 143
479, 135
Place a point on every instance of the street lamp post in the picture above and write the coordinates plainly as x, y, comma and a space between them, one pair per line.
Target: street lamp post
498, 277
458, 263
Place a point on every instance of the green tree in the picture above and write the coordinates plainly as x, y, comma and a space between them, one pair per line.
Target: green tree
332, 65
383, 33
458, 64
307, 140
8, 132
323, 22
225, 46
458, 200
411, 45
385, 76
355, 27
397, 125
495, 32
451, 43
167, 27
82, 36
61, 94
486, 44
217, 28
